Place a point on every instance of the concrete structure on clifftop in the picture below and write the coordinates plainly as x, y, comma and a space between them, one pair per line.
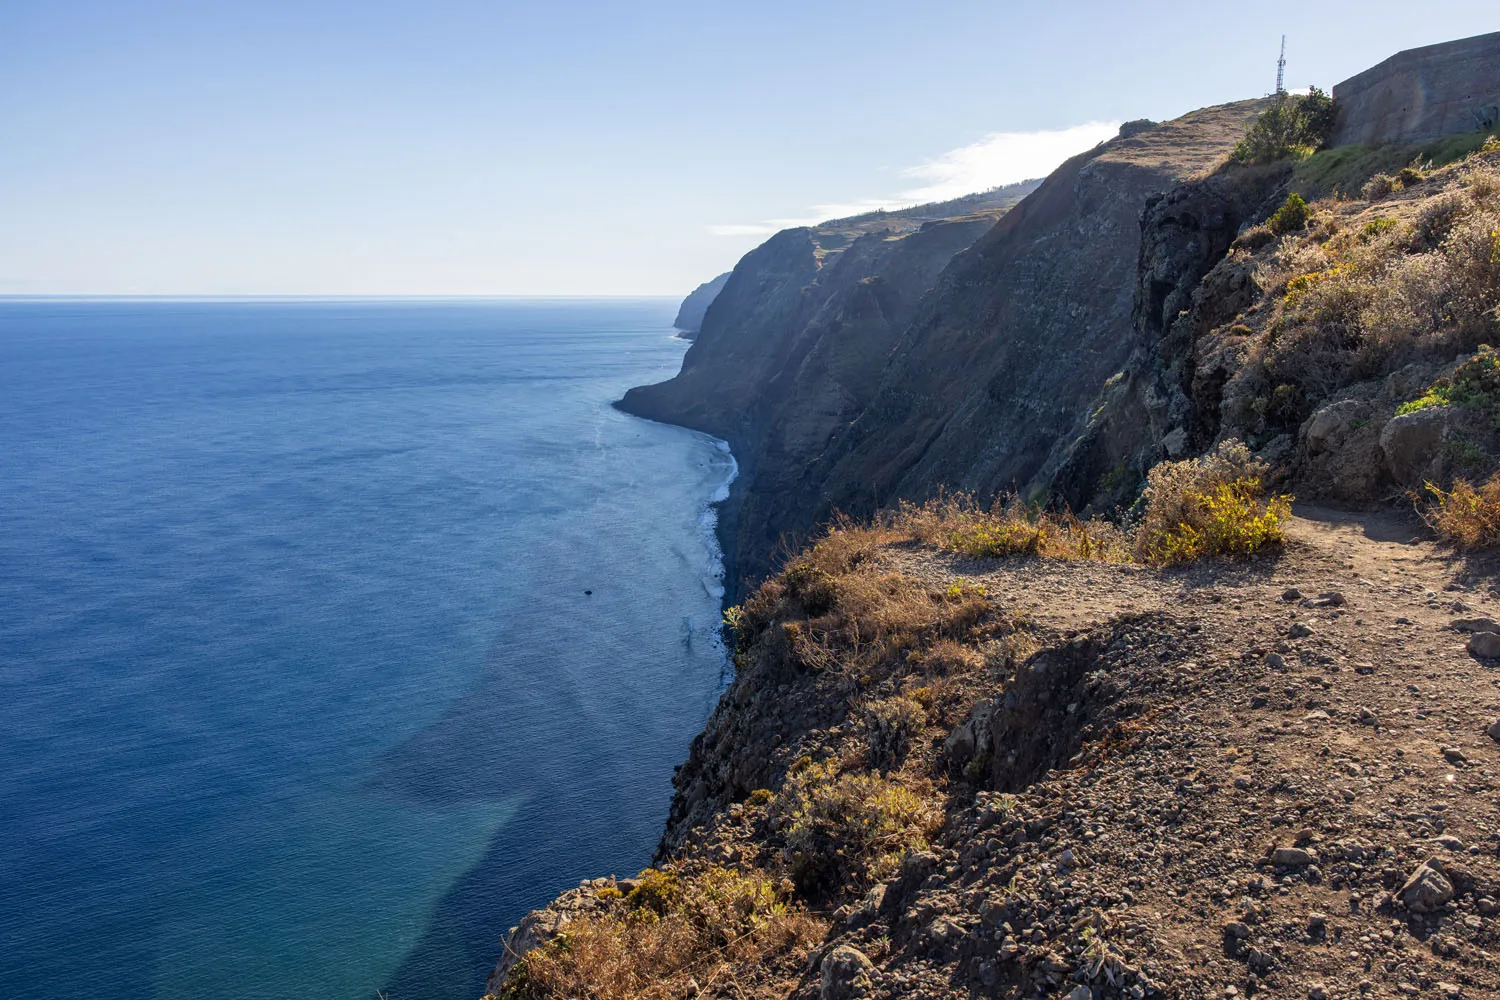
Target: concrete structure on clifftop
1420, 94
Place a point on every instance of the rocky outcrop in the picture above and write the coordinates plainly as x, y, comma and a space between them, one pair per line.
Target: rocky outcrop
1410, 443
690, 314
1163, 403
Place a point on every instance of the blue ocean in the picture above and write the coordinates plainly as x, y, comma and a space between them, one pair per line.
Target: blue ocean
334, 635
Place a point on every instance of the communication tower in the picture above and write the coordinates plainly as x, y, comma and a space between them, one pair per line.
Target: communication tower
1281, 69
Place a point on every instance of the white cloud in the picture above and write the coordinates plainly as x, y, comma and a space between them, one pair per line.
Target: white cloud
1002, 158
999, 158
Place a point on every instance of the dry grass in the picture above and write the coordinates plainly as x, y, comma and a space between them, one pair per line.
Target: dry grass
1008, 527
722, 928
1467, 516
833, 609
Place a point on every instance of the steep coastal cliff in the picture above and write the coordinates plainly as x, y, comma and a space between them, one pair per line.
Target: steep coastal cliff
906, 365
793, 348
690, 315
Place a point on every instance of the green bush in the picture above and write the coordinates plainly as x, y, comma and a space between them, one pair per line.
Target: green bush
1319, 116
844, 828
1376, 228
655, 890
1291, 216
1291, 128
1410, 177
1475, 385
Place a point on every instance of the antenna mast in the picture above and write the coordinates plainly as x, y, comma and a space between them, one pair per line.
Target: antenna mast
1281, 68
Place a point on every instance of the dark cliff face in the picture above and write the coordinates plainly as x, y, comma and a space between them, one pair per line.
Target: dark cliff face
1023, 331
1161, 405
690, 314
790, 352
741, 344
848, 379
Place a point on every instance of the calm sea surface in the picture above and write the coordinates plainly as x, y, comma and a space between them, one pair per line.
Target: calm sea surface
301, 691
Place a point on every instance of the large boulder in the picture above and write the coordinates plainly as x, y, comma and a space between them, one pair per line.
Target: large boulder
1327, 429
1427, 889
846, 974
1485, 645
1340, 452
1410, 443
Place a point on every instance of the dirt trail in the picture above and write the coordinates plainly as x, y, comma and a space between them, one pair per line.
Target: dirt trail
1336, 708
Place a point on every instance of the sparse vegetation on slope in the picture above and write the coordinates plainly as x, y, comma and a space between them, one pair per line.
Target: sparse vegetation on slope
648, 938
1361, 300
1348, 302
937, 777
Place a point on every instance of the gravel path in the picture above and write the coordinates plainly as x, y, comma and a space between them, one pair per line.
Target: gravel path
1308, 806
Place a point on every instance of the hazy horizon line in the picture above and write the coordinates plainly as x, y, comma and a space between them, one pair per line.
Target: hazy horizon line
317, 297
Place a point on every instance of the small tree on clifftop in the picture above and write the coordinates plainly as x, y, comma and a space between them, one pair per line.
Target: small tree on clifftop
1291, 128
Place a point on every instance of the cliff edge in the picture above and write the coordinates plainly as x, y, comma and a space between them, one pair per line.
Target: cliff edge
944, 777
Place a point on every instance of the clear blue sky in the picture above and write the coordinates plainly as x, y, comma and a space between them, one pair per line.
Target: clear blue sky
459, 147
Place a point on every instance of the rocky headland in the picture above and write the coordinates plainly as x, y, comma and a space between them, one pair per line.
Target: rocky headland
690, 314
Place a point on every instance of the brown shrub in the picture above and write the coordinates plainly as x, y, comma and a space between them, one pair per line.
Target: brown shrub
1379, 186
721, 924
1482, 183
890, 726
1467, 515
1410, 176
1254, 238
1437, 218
947, 658
835, 609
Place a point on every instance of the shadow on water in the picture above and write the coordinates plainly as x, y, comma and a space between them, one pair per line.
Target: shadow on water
594, 777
